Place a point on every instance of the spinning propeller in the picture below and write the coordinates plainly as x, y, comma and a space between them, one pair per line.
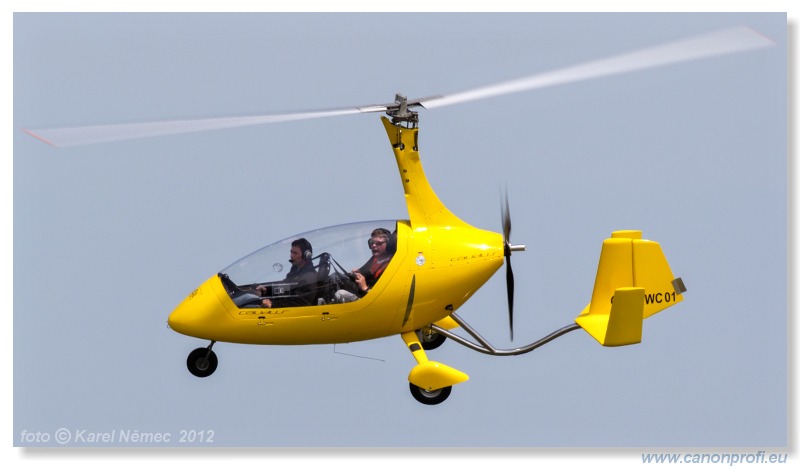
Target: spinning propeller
717, 43
508, 248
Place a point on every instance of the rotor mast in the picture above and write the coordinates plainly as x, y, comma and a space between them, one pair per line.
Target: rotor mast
424, 206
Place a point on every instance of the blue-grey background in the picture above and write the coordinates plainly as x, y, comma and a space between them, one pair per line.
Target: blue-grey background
109, 238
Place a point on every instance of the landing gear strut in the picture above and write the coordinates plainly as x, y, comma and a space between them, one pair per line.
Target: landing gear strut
202, 361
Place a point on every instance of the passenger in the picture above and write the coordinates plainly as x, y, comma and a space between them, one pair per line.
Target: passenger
302, 273
365, 277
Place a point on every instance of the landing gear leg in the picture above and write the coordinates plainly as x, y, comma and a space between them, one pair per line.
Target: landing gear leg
430, 382
202, 361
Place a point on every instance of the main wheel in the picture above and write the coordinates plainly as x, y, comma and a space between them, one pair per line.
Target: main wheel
202, 362
437, 396
430, 339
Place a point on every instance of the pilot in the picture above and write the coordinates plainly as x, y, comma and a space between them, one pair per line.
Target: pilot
382, 251
302, 273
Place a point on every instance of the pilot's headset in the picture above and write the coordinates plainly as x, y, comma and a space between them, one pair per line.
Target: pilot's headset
305, 247
382, 232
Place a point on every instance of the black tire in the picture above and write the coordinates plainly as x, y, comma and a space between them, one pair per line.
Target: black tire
432, 340
437, 396
202, 362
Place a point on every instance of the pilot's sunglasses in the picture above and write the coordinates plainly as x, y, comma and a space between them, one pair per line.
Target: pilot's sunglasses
377, 242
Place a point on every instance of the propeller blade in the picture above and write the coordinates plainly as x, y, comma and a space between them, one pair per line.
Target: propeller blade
506, 219
728, 41
510, 292
71, 136
506, 214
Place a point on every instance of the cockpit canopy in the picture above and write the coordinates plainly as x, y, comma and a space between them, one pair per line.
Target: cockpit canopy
335, 252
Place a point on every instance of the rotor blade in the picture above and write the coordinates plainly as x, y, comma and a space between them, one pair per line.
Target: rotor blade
714, 44
728, 41
71, 136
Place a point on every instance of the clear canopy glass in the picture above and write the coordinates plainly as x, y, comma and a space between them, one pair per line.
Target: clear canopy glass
335, 251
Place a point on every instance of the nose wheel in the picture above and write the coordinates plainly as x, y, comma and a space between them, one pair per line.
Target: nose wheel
202, 361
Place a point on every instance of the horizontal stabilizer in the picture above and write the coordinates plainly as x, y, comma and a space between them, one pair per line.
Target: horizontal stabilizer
622, 325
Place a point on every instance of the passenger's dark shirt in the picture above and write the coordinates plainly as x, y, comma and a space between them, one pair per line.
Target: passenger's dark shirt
302, 294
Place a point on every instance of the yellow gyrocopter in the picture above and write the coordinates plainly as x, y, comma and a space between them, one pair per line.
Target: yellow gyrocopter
434, 261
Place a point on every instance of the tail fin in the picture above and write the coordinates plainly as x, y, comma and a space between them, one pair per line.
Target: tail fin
633, 282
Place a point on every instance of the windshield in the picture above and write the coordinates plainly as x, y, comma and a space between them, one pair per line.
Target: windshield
334, 252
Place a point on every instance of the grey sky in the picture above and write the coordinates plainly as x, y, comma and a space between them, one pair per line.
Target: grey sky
109, 238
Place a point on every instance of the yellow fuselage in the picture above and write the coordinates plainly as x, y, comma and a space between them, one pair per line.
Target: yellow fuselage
440, 262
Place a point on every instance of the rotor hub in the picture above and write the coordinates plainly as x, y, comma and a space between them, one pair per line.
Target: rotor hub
401, 114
